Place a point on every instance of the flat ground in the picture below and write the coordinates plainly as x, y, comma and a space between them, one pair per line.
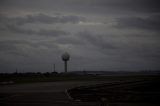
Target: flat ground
42, 94
54, 93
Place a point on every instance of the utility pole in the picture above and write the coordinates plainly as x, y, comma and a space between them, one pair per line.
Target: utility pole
54, 68
16, 70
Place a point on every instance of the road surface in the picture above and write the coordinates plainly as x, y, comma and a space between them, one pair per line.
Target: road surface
42, 94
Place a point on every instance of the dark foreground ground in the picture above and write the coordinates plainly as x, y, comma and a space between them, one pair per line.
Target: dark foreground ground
55, 93
41, 94
138, 91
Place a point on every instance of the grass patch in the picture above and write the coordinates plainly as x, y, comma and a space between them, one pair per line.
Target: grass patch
23, 78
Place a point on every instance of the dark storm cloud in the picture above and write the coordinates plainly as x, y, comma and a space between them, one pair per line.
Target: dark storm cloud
26, 55
87, 6
143, 49
13, 24
42, 32
129, 5
17, 47
136, 50
69, 40
41, 18
148, 23
18, 42
13, 47
96, 40
149, 52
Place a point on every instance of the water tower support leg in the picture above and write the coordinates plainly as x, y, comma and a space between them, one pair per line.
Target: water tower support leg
65, 66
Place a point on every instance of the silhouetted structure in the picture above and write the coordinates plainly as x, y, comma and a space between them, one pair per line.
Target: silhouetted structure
54, 68
65, 58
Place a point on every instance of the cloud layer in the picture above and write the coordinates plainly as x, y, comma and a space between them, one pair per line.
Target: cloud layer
148, 23
41, 18
98, 34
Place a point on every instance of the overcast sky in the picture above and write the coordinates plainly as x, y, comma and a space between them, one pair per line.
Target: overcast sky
105, 35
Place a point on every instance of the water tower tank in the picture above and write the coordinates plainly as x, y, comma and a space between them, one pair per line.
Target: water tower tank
65, 56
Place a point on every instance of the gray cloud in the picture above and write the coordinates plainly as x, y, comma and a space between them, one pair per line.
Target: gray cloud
69, 40
148, 23
129, 5
13, 47
13, 24
42, 32
87, 6
97, 40
41, 18
26, 55
133, 49
19, 47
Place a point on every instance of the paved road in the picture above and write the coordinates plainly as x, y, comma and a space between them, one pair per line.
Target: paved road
42, 94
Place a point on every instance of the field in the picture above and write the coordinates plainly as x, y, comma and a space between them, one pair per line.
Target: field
52, 89
49, 77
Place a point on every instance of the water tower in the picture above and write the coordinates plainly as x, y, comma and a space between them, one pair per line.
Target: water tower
65, 58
